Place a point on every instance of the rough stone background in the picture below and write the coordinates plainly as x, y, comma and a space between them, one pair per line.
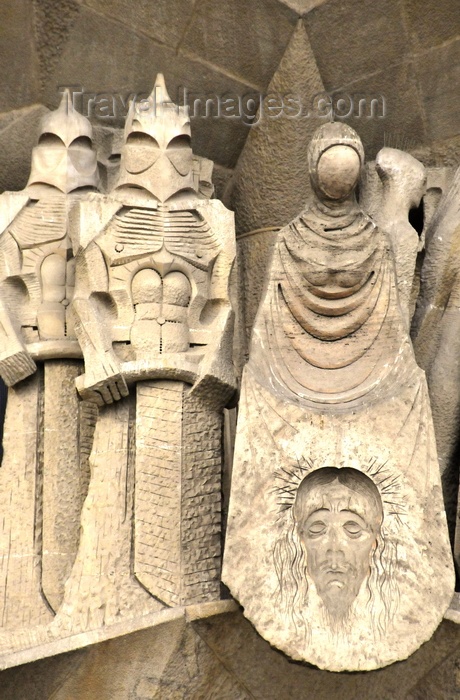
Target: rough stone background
223, 658
406, 50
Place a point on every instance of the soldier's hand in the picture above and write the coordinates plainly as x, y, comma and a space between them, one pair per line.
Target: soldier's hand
16, 366
103, 381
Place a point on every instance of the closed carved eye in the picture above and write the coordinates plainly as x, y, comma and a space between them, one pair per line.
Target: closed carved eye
317, 528
352, 528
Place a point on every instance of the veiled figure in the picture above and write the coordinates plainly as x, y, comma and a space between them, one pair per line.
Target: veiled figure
332, 383
333, 319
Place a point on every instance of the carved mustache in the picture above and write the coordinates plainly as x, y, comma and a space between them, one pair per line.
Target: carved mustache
336, 568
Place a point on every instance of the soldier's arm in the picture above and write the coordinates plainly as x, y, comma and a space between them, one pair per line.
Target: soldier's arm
15, 362
102, 381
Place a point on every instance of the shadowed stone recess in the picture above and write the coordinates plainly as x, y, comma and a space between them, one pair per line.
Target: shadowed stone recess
223, 658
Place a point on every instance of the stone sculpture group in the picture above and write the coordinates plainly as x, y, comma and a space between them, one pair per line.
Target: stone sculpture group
336, 512
117, 333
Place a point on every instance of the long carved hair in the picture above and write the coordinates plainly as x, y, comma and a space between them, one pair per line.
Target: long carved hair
291, 562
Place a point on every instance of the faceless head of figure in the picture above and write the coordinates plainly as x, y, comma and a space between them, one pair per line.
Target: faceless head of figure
64, 157
157, 154
338, 514
335, 158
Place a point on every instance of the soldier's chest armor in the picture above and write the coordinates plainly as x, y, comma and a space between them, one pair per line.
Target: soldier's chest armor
40, 230
136, 234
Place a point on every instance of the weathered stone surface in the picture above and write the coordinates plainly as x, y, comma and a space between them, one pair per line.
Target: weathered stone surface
355, 30
22, 603
437, 23
267, 196
269, 675
398, 120
223, 658
18, 59
404, 183
68, 431
302, 6
108, 141
164, 21
438, 74
436, 337
372, 200
52, 24
439, 154
218, 32
221, 177
254, 255
337, 543
438, 181
17, 138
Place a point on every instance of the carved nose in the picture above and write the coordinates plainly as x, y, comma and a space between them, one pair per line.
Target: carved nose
334, 551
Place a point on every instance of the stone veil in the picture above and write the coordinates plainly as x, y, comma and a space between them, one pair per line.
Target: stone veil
337, 545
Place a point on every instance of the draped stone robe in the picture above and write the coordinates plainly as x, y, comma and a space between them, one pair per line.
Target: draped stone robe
332, 382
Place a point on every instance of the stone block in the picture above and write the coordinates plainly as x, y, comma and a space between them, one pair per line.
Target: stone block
18, 58
267, 674
52, 24
245, 38
397, 118
17, 138
163, 20
438, 74
433, 23
352, 38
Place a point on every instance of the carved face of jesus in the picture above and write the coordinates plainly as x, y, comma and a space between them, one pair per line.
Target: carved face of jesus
338, 528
